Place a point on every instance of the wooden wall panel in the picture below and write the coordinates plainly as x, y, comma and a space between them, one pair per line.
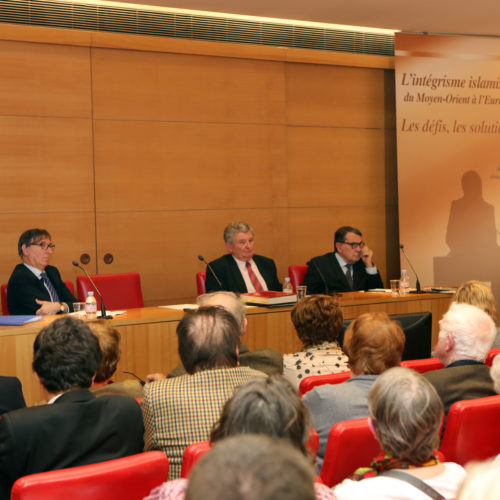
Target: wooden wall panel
186, 88
44, 80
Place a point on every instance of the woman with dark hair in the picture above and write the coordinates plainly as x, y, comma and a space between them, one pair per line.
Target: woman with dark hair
268, 406
318, 321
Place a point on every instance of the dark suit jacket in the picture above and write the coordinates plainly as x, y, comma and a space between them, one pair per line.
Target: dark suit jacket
230, 276
11, 394
464, 381
335, 278
78, 429
24, 287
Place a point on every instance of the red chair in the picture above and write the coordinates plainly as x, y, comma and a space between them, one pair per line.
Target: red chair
3, 295
297, 274
306, 384
119, 291
491, 355
423, 365
471, 431
129, 478
351, 444
201, 278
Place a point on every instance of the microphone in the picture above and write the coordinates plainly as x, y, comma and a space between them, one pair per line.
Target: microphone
200, 257
103, 307
414, 272
327, 290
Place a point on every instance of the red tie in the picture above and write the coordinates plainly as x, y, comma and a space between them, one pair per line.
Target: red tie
253, 278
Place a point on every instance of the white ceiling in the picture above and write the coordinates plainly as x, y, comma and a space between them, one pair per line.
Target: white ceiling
471, 17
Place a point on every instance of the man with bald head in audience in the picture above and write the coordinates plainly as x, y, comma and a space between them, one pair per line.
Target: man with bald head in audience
466, 334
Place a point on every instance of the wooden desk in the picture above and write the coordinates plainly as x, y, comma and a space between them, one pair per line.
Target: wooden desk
149, 340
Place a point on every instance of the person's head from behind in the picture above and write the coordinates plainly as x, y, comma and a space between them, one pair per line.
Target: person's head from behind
229, 301
406, 412
208, 338
109, 341
373, 343
66, 355
317, 319
479, 294
269, 406
252, 467
239, 240
465, 332
482, 481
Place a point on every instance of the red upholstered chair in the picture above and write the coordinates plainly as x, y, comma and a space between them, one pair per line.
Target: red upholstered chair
3, 295
308, 383
129, 478
351, 444
201, 277
491, 355
297, 274
120, 291
423, 365
471, 431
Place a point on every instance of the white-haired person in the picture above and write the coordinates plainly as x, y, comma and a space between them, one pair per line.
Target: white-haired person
406, 414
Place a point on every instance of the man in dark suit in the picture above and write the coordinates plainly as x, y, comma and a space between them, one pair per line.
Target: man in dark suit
466, 334
241, 271
35, 287
75, 427
349, 268
11, 394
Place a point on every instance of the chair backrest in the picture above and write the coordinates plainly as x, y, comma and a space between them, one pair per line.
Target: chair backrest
351, 444
491, 355
297, 274
119, 291
201, 278
306, 384
423, 365
471, 431
3, 295
129, 478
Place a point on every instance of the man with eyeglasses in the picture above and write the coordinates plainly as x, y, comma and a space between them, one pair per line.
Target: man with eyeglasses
35, 287
349, 268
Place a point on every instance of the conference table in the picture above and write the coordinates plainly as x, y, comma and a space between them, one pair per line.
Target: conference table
149, 340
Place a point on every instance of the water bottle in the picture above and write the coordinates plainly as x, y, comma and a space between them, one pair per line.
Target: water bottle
91, 306
287, 287
404, 282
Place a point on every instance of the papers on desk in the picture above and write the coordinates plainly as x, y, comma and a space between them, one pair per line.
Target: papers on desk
18, 319
380, 290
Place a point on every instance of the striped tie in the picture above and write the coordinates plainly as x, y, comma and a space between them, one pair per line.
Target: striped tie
253, 278
53, 294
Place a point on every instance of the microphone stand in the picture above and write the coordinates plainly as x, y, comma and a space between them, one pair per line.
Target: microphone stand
200, 257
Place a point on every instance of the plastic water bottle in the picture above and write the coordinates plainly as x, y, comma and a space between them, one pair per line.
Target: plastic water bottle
287, 287
91, 306
404, 282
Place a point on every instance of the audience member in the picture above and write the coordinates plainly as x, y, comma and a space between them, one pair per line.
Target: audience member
465, 337
373, 344
495, 373
479, 294
35, 287
269, 361
241, 270
181, 410
268, 406
318, 321
482, 481
406, 414
11, 394
75, 427
350, 267
109, 341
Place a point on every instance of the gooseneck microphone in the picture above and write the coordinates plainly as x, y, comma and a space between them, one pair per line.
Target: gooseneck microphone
200, 257
103, 307
412, 268
327, 290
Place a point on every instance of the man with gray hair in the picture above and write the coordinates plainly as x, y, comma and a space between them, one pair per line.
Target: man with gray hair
466, 334
240, 270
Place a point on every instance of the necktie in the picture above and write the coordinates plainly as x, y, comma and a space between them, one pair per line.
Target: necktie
348, 275
253, 278
53, 294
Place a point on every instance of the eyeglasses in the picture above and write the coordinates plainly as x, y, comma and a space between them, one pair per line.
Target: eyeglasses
354, 245
44, 246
